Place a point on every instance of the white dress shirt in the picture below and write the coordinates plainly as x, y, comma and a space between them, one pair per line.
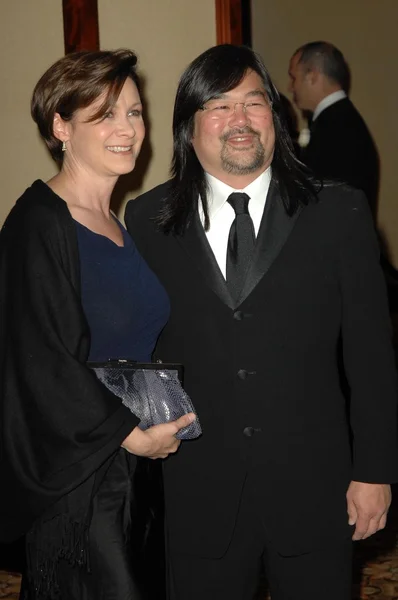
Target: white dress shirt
222, 214
328, 101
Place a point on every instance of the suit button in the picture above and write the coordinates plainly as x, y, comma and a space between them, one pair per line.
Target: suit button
239, 315
242, 373
248, 431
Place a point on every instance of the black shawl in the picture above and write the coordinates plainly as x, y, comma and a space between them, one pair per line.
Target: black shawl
59, 425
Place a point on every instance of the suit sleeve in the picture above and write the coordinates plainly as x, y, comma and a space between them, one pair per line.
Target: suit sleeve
58, 423
368, 351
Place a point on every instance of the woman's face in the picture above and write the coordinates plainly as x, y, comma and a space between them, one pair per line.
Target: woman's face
108, 147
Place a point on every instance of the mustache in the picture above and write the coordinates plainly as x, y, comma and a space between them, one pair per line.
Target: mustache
238, 131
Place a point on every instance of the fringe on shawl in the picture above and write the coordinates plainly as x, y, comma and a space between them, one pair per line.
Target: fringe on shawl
47, 544
62, 534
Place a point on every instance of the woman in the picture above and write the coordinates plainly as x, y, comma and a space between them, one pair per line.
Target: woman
73, 289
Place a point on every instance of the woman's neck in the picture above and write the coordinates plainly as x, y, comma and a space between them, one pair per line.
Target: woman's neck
83, 191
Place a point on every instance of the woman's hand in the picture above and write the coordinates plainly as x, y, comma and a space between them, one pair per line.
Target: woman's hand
158, 441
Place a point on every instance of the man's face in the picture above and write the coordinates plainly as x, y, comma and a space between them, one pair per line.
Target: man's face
240, 146
299, 84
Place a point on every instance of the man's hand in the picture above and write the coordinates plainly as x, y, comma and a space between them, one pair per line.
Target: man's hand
367, 507
158, 441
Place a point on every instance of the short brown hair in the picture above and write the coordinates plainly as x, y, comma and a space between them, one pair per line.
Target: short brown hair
75, 81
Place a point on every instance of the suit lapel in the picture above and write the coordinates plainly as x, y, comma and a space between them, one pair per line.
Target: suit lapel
196, 244
275, 228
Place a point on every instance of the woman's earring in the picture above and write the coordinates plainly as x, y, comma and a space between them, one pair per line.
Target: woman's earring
63, 146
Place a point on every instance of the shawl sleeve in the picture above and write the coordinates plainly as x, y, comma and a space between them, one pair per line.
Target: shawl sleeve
58, 423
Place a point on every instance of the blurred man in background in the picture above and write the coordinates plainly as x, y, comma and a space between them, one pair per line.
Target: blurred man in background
340, 145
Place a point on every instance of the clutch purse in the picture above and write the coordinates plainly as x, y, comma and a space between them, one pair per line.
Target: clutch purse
152, 391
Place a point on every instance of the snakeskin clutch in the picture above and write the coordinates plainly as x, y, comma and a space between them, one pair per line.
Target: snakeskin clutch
152, 391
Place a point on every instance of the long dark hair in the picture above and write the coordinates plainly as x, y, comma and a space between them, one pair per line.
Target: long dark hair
216, 71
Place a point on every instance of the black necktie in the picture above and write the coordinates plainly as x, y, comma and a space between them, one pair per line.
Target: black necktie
241, 242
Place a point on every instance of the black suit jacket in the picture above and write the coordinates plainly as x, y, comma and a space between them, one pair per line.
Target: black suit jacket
268, 368
341, 148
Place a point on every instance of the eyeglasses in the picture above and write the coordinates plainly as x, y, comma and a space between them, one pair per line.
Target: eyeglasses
221, 109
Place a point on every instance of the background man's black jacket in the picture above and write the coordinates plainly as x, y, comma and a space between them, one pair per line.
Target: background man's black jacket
342, 148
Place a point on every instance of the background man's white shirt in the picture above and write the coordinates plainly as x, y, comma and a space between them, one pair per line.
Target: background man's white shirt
328, 101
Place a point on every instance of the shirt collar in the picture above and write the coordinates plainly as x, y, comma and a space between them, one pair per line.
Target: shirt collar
219, 191
328, 101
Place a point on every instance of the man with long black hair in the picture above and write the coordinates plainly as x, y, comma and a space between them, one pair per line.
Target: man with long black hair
266, 272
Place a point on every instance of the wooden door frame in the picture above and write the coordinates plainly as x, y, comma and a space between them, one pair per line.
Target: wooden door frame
233, 22
81, 30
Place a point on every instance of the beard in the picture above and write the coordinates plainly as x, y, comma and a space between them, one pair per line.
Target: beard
244, 161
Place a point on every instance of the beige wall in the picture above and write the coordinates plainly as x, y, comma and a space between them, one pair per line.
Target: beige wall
29, 43
166, 34
365, 31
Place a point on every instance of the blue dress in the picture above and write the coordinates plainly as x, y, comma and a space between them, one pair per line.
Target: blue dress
125, 305
126, 308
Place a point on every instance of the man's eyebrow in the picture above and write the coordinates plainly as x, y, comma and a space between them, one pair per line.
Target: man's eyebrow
257, 92
252, 93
